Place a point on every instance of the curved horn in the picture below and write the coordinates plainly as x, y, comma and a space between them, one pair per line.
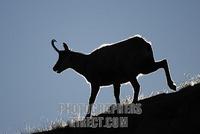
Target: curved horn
53, 45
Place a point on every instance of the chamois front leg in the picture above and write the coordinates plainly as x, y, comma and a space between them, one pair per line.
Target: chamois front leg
94, 91
117, 93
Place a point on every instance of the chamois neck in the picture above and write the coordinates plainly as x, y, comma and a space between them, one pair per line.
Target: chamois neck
78, 62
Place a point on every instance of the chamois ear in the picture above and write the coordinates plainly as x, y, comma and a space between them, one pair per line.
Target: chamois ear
65, 46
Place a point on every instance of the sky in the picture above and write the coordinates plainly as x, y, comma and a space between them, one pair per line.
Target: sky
30, 92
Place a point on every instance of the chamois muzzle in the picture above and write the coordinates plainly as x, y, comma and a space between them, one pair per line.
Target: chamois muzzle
56, 70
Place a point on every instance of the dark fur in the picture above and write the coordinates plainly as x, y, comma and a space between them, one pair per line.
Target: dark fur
113, 64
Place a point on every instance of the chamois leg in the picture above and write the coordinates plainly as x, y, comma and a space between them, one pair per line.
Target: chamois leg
117, 92
136, 87
163, 64
94, 91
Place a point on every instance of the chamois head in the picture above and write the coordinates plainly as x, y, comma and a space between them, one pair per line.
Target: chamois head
64, 58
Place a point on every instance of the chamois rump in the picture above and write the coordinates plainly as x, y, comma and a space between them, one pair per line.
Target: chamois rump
113, 64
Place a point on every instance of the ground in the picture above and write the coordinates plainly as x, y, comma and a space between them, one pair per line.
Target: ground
165, 113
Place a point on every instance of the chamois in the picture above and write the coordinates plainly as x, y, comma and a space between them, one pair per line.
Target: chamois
113, 64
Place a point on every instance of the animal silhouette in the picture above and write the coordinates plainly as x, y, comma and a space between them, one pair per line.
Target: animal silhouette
114, 64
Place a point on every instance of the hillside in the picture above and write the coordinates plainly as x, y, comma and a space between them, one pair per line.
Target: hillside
176, 112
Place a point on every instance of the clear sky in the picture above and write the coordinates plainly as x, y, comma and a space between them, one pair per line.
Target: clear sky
30, 92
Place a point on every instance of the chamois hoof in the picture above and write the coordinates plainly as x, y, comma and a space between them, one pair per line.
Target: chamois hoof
87, 115
135, 101
172, 86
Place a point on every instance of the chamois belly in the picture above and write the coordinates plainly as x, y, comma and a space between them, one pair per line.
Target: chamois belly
108, 80
108, 76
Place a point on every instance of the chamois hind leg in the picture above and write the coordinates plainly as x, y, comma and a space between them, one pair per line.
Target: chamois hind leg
117, 92
163, 64
136, 87
94, 91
